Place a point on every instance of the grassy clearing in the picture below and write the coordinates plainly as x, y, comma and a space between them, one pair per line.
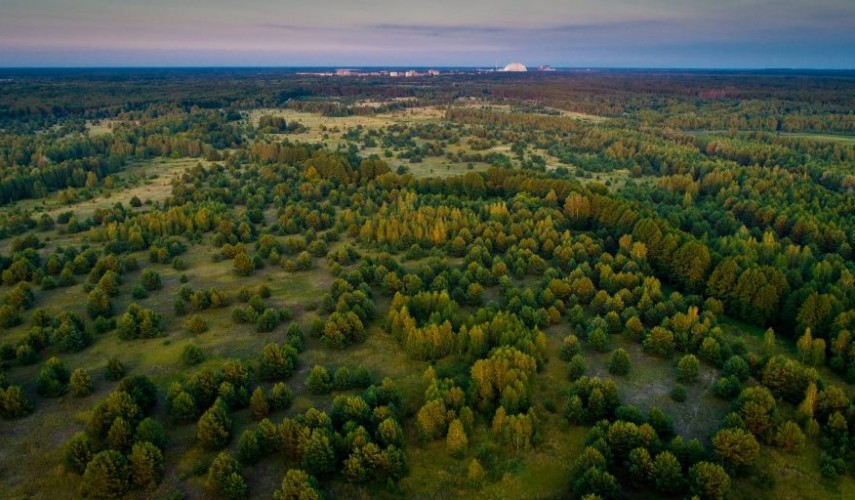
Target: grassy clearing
147, 180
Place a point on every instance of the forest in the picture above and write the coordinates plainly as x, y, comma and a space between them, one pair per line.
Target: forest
226, 283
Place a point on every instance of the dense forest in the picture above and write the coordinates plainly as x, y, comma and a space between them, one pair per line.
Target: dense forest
254, 283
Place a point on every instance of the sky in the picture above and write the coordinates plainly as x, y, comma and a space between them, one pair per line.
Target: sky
561, 33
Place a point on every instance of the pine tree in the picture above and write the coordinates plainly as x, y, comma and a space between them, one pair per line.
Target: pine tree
297, 485
78, 452
249, 449
226, 479
687, 369
145, 464
14, 403
106, 476
318, 381
80, 383
214, 429
619, 362
709, 481
736, 448
258, 406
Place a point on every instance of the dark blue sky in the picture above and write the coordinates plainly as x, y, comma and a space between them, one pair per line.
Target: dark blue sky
605, 33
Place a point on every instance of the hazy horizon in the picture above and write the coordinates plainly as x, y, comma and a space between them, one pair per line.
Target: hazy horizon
661, 34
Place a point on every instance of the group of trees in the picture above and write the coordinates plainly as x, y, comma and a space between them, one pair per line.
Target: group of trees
476, 268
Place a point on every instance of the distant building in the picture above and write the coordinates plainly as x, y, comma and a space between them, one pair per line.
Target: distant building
344, 72
546, 67
515, 68
433, 72
410, 74
394, 74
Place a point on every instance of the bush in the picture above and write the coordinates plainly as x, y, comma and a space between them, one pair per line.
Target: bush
115, 369
192, 355
268, 321
196, 325
150, 280
53, 379
678, 393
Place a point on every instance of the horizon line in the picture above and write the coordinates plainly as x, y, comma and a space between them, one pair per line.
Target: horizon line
532, 69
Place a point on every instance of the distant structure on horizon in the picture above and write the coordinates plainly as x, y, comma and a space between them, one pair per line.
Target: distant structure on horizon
546, 67
515, 68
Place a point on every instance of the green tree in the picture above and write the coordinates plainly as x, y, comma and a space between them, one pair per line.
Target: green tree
106, 476
151, 280
182, 407
145, 464
640, 465
660, 342
277, 363
619, 362
576, 367
688, 368
243, 264
80, 383
121, 435
150, 430
475, 473
280, 396
456, 441
249, 449
297, 485
569, 348
736, 448
226, 479
78, 452
319, 455
318, 381
666, 473
258, 405
214, 429
790, 437
98, 303
53, 379
709, 481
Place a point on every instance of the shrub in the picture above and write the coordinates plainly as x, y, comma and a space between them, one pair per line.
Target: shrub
196, 325
678, 393
115, 369
192, 355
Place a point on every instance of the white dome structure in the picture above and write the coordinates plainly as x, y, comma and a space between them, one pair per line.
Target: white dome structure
515, 68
